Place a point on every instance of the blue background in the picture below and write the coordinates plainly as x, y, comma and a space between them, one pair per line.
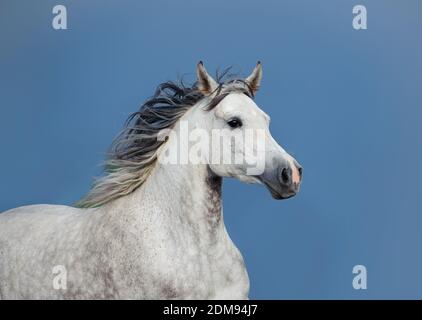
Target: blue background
345, 103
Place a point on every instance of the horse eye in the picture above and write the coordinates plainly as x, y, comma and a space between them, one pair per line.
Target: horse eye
234, 123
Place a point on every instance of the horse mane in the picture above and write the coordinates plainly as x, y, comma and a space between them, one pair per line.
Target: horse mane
134, 152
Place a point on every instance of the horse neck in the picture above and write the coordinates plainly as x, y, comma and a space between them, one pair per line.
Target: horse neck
187, 194
191, 192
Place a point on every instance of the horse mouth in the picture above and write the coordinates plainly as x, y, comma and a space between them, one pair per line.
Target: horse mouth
276, 194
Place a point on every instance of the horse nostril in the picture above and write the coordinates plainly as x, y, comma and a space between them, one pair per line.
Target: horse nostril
300, 169
286, 176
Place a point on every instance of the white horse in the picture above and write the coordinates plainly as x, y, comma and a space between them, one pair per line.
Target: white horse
151, 228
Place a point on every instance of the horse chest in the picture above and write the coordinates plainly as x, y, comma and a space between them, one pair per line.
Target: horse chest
195, 270
183, 251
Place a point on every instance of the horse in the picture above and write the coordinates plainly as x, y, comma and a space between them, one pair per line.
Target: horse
151, 227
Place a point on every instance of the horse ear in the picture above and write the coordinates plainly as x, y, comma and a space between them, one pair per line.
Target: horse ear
254, 80
206, 84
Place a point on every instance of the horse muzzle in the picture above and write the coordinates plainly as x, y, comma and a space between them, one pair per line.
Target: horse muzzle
284, 181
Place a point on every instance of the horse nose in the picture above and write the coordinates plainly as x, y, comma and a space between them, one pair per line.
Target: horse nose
290, 176
286, 176
299, 169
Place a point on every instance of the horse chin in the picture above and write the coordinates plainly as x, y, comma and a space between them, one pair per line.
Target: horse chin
278, 195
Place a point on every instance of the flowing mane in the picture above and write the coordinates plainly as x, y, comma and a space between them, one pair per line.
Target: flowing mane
134, 152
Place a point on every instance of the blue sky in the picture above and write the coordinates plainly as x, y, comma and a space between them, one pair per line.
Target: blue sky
345, 103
